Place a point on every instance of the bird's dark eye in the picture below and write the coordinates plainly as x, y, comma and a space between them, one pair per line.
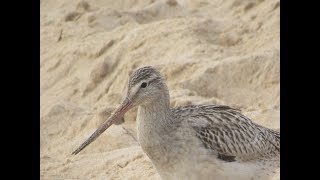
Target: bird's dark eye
143, 85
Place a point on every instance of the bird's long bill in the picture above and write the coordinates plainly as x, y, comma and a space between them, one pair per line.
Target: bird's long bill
118, 114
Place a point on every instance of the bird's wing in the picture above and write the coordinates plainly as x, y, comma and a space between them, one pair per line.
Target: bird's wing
231, 135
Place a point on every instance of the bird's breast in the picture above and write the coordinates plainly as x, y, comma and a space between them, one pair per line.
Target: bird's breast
156, 140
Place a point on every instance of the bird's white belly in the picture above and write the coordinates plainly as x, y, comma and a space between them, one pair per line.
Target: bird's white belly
211, 170
192, 164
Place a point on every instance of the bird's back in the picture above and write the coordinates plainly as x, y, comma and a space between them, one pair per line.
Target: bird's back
229, 134
226, 144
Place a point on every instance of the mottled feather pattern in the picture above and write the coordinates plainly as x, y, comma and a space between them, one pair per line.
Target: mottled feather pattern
197, 141
230, 134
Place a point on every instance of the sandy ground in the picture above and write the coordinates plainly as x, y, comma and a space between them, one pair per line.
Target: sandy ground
211, 52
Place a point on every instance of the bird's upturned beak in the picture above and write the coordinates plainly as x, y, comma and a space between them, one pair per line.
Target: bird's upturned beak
118, 114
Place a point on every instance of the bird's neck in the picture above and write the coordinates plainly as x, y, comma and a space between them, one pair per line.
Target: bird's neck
154, 124
156, 111
156, 114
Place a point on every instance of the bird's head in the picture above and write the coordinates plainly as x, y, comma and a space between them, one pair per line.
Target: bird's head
146, 85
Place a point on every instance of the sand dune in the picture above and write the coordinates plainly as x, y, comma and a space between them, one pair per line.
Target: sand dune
211, 52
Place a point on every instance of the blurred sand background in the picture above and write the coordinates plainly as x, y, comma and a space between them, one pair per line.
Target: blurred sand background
210, 51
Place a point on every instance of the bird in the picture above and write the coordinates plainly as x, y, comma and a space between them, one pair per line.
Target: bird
194, 141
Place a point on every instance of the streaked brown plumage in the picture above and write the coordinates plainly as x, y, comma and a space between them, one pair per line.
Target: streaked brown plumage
197, 141
229, 133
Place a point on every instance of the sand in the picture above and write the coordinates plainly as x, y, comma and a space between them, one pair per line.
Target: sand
210, 51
